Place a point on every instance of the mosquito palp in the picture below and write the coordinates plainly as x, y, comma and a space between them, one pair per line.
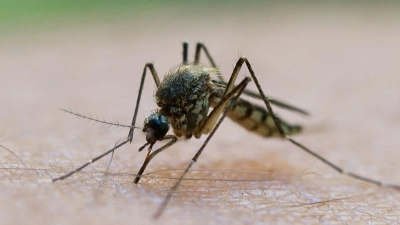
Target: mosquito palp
184, 98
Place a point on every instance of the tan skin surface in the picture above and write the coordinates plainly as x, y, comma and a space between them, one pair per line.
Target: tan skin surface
341, 65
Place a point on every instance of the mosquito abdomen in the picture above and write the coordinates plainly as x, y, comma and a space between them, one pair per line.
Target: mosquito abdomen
256, 119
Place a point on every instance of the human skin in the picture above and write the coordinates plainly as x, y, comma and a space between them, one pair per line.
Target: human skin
340, 65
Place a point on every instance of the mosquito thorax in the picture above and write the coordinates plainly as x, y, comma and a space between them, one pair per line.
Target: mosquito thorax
183, 97
156, 126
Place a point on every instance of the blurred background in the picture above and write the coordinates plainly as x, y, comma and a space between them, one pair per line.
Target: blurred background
339, 60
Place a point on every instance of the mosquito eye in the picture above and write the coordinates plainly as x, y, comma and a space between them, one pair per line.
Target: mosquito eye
159, 123
156, 126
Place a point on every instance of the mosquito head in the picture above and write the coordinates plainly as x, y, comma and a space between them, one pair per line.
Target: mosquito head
156, 126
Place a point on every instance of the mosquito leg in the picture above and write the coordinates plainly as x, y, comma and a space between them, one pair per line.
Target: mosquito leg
340, 170
197, 54
151, 156
287, 137
238, 92
185, 52
90, 162
200, 46
208, 123
277, 102
247, 92
264, 98
149, 66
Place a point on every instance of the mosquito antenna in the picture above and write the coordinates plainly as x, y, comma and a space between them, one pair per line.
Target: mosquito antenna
97, 120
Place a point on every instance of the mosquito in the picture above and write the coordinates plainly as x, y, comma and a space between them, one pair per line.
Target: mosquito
184, 98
